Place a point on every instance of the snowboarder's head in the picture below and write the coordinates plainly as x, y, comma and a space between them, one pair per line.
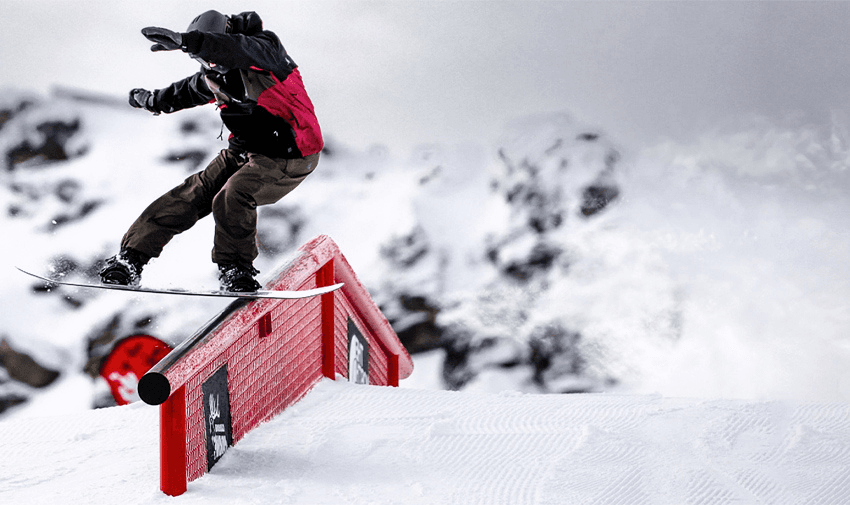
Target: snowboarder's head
209, 22
246, 23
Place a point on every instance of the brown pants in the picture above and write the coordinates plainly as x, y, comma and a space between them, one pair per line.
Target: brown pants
230, 188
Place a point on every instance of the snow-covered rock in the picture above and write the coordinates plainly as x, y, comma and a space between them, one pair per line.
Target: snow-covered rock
553, 261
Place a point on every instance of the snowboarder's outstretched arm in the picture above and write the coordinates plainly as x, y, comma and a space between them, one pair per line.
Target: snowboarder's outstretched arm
183, 94
260, 50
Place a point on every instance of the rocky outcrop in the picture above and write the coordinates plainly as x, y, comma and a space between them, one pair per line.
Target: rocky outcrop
23, 368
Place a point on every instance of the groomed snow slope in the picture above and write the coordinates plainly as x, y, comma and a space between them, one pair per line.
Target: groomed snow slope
355, 444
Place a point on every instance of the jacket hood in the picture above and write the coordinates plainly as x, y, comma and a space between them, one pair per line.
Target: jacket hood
246, 23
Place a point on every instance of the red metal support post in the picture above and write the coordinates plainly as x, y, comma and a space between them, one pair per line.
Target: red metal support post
325, 277
392, 372
172, 444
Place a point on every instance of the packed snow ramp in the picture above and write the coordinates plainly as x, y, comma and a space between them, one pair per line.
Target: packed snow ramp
350, 444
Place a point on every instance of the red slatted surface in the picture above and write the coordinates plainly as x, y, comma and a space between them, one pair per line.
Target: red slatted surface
273, 349
265, 375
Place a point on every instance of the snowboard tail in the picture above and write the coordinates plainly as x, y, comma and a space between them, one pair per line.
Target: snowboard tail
283, 295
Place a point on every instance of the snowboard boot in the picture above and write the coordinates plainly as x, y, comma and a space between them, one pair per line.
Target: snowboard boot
238, 278
125, 268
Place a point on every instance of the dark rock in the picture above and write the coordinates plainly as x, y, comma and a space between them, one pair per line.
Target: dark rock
425, 334
56, 135
407, 250
193, 158
596, 197
23, 368
10, 400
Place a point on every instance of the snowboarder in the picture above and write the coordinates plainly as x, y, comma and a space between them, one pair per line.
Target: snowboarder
274, 144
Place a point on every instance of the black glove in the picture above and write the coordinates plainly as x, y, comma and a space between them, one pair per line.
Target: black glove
143, 99
166, 40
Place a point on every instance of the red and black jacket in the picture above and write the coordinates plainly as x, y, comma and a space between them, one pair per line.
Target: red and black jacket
257, 88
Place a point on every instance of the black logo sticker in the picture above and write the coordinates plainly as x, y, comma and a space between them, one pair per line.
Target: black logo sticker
358, 355
217, 416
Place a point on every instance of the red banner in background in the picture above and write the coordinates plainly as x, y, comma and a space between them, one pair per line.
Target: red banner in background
131, 358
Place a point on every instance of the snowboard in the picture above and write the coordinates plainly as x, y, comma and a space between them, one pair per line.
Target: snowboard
283, 295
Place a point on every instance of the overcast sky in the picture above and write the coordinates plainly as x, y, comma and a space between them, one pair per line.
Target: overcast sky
410, 72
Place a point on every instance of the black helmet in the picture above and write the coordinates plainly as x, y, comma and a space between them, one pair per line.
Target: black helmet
210, 22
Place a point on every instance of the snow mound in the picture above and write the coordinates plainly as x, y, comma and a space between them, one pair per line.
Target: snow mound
362, 444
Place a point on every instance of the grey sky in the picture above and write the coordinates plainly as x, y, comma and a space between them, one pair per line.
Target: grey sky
411, 72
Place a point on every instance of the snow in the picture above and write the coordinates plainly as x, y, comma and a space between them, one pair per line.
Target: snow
346, 443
